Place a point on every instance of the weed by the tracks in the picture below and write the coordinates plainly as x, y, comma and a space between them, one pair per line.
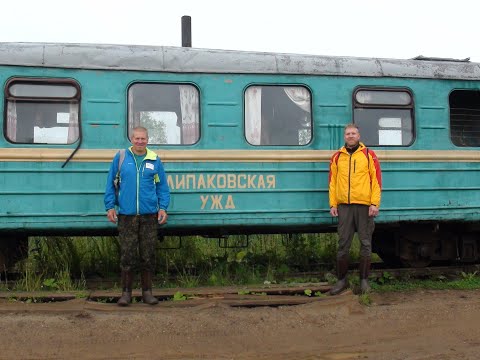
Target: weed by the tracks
178, 296
365, 299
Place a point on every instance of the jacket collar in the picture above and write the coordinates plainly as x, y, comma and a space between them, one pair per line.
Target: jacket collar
360, 148
150, 155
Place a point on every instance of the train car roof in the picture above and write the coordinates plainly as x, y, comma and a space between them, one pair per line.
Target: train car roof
192, 60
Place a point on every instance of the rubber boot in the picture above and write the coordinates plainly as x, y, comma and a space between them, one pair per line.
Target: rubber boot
364, 271
147, 296
342, 270
127, 282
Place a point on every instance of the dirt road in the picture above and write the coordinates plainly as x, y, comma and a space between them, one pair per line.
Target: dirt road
434, 325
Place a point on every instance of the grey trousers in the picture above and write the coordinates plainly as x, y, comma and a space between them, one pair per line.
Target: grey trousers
354, 218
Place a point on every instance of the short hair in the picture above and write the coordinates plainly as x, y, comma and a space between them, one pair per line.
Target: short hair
351, 125
140, 129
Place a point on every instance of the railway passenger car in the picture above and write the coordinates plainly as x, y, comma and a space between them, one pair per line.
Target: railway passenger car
246, 140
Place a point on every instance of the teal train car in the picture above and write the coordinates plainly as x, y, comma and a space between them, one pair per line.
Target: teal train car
246, 140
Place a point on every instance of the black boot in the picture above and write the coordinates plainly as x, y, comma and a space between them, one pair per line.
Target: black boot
364, 271
342, 270
147, 296
127, 282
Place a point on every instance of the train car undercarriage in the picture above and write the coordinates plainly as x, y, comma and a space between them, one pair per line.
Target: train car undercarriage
423, 244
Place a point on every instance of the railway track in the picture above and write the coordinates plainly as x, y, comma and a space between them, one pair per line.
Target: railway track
268, 294
105, 300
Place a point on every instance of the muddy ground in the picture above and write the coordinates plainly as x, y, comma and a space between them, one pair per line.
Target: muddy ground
432, 325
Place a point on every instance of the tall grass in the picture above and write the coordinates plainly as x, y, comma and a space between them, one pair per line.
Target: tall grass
79, 255
53, 261
267, 258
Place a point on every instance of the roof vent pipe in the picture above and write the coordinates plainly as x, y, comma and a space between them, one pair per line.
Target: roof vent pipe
186, 31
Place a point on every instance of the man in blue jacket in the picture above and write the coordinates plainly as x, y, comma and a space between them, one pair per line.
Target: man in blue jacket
138, 185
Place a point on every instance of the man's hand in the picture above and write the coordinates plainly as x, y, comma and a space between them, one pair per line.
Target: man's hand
373, 210
162, 217
334, 211
112, 216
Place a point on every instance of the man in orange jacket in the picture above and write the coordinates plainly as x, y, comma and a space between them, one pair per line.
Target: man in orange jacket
355, 183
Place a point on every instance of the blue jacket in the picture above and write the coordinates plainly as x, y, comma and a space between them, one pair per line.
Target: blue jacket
143, 191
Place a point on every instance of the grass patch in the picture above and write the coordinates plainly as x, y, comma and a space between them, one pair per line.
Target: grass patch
365, 299
267, 259
178, 296
468, 282
54, 261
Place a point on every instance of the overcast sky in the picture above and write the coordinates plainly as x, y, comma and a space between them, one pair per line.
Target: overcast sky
365, 28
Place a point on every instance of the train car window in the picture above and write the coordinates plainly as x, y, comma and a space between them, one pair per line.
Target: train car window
42, 111
39, 90
278, 115
465, 117
384, 116
170, 112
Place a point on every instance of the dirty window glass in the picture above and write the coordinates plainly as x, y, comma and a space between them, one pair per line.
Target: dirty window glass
465, 117
384, 117
42, 113
170, 112
278, 115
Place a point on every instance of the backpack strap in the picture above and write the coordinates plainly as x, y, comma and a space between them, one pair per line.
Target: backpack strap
116, 182
120, 160
336, 156
365, 152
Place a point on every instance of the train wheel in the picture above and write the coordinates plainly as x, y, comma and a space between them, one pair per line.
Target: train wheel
384, 245
390, 261
414, 254
416, 263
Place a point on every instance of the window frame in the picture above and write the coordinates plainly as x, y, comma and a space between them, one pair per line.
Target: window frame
411, 106
8, 96
450, 117
165, 83
281, 85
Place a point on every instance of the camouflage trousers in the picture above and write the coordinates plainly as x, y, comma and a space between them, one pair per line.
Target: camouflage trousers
137, 236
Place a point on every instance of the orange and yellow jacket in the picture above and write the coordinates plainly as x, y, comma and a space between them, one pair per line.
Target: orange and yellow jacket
355, 178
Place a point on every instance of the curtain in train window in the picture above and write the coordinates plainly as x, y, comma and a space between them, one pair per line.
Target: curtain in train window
42, 112
278, 115
384, 116
170, 112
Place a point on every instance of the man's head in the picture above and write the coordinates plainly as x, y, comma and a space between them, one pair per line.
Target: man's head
139, 140
351, 135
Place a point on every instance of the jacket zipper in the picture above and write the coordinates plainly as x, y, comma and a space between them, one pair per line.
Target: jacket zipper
349, 175
138, 187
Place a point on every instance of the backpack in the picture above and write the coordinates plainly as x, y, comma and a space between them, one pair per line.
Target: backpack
116, 181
